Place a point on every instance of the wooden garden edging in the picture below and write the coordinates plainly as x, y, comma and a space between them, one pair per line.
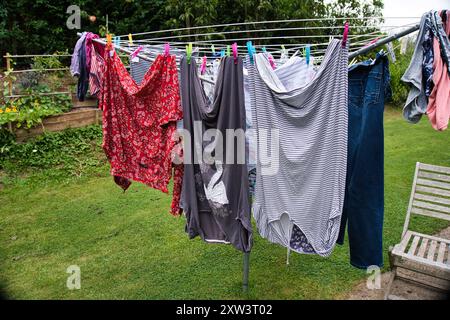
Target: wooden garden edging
77, 118
83, 113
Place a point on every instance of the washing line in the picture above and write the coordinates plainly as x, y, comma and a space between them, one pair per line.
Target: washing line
265, 22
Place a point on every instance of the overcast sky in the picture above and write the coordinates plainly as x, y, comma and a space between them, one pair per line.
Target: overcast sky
410, 8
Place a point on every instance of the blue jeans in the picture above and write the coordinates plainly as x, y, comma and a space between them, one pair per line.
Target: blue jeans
364, 197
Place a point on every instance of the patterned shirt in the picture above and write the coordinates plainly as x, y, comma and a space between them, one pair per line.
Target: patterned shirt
139, 122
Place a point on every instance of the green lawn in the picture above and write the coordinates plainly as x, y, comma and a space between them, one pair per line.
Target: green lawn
129, 247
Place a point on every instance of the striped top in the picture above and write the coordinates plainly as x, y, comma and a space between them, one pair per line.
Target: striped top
299, 193
96, 72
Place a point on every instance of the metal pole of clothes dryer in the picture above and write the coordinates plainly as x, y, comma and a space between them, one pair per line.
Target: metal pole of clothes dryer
246, 270
383, 41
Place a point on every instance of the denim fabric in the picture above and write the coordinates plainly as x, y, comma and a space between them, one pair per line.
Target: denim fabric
364, 197
83, 79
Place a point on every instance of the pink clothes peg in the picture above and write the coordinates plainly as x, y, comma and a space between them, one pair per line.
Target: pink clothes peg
166, 49
135, 52
203, 66
345, 36
235, 52
272, 62
372, 41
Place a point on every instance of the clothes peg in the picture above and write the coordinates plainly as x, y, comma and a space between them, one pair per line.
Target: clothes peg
166, 49
130, 39
284, 54
344, 37
222, 53
391, 51
250, 51
264, 49
213, 50
117, 41
235, 52
135, 52
228, 50
203, 66
371, 42
307, 54
189, 52
109, 44
272, 62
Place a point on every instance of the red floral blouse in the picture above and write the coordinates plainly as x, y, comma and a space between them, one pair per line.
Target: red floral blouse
139, 124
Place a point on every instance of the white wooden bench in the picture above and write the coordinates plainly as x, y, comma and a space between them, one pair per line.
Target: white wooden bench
426, 257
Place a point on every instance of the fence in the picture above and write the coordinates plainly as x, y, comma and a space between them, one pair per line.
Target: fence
10, 72
44, 79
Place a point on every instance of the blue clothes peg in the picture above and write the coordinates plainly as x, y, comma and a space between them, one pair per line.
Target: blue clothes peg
308, 54
251, 50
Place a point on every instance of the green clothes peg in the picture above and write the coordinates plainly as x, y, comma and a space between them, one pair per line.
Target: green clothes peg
228, 50
189, 52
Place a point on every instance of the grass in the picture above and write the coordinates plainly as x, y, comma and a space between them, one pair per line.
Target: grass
128, 246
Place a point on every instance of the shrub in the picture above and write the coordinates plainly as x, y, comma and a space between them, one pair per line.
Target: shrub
397, 69
31, 109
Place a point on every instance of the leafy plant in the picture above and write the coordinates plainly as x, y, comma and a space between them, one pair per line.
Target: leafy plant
397, 69
29, 80
32, 108
72, 152
51, 62
43, 63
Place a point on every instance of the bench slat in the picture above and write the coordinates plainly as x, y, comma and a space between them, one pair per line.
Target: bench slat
430, 167
431, 206
430, 213
431, 198
402, 246
413, 247
432, 250
414, 233
423, 247
435, 176
435, 191
441, 252
433, 183
448, 256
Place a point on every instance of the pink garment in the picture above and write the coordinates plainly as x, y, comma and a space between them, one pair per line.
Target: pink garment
90, 46
96, 72
438, 109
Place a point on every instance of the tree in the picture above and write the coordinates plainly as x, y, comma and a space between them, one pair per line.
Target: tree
39, 26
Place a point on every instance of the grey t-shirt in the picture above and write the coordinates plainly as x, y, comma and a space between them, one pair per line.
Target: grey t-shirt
215, 196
